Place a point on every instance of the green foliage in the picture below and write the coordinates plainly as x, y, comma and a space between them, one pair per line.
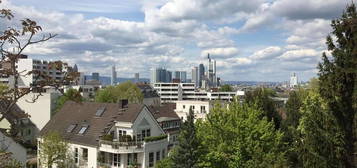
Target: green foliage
155, 138
226, 88
3, 90
54, 150
321, 141
6, 161
126, 90
107, 137
70, 95
338, 79
239, 136
290, 124
260, 97
164, 163
186, 153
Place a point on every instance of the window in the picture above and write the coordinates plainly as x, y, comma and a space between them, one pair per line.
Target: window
100, 112
157, 156
132, 158
121, 133
71, 128
85, 154
83, 129
183, 106
151, 159
163, 153
76, 155
148, 133
116, 160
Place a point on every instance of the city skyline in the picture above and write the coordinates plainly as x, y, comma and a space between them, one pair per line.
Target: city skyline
260, 40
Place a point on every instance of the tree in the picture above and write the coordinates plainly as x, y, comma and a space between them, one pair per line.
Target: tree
13, 41
261, 97
337, 76
320, 142
226, 88
290, 124
126, 90
54, 150
70, 95
6, 160
239, 136
186, 153
164, 163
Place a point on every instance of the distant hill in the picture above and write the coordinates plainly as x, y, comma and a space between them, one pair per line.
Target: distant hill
106, 80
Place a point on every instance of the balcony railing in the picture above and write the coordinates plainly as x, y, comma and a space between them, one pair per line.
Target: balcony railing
117, 145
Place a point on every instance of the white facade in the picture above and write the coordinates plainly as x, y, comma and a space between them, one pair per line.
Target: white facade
171, 92
200, 109
120, 153
293, 81
9, 145
26, 65
40, 111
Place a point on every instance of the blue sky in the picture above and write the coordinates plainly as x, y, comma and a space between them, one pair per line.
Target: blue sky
255, 40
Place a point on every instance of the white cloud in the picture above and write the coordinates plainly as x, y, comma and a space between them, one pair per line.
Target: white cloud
267, 53
299, 54
220, 52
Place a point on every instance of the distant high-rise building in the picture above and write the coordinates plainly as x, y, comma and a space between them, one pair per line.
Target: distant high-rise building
181, 75
195, 76
160, 75
137, 77
113, 80
293, 80
75, 68
95, 76
211, 72
201, 74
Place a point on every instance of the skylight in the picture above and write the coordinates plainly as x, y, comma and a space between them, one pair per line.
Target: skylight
100, 112
83, 129
71, 128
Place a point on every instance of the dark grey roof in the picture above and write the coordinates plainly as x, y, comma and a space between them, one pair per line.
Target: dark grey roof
147, 90
165, 110
83, 114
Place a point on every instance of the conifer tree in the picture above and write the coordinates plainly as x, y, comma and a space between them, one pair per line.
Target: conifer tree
337, 76
186, 154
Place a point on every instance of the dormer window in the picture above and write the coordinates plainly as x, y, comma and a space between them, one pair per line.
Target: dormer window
71, 128
100, 111
83, 129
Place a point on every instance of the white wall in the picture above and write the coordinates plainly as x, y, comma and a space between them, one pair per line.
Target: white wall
18, 151
92, 154
183, 108
40, 110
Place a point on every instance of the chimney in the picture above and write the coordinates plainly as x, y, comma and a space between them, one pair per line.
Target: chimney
123, 103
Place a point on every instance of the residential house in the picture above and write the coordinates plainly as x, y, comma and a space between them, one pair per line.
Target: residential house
115, 135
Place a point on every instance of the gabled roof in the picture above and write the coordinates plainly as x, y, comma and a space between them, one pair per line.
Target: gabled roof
164, 112
83, 114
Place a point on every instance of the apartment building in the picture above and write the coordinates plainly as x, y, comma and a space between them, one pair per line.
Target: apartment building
200, 108
172, 92
27, 65
114, 135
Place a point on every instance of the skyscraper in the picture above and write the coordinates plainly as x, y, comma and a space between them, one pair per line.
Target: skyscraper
137, 77
114, 76
160, 75
195, 76
293, 80
201, 74
95, 76
181, 75
211, 72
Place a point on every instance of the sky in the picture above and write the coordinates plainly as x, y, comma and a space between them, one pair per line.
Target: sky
255, 40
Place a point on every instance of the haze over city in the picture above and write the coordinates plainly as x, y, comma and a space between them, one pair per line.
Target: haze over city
256, 40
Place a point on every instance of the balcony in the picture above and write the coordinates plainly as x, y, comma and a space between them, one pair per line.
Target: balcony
121, 147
